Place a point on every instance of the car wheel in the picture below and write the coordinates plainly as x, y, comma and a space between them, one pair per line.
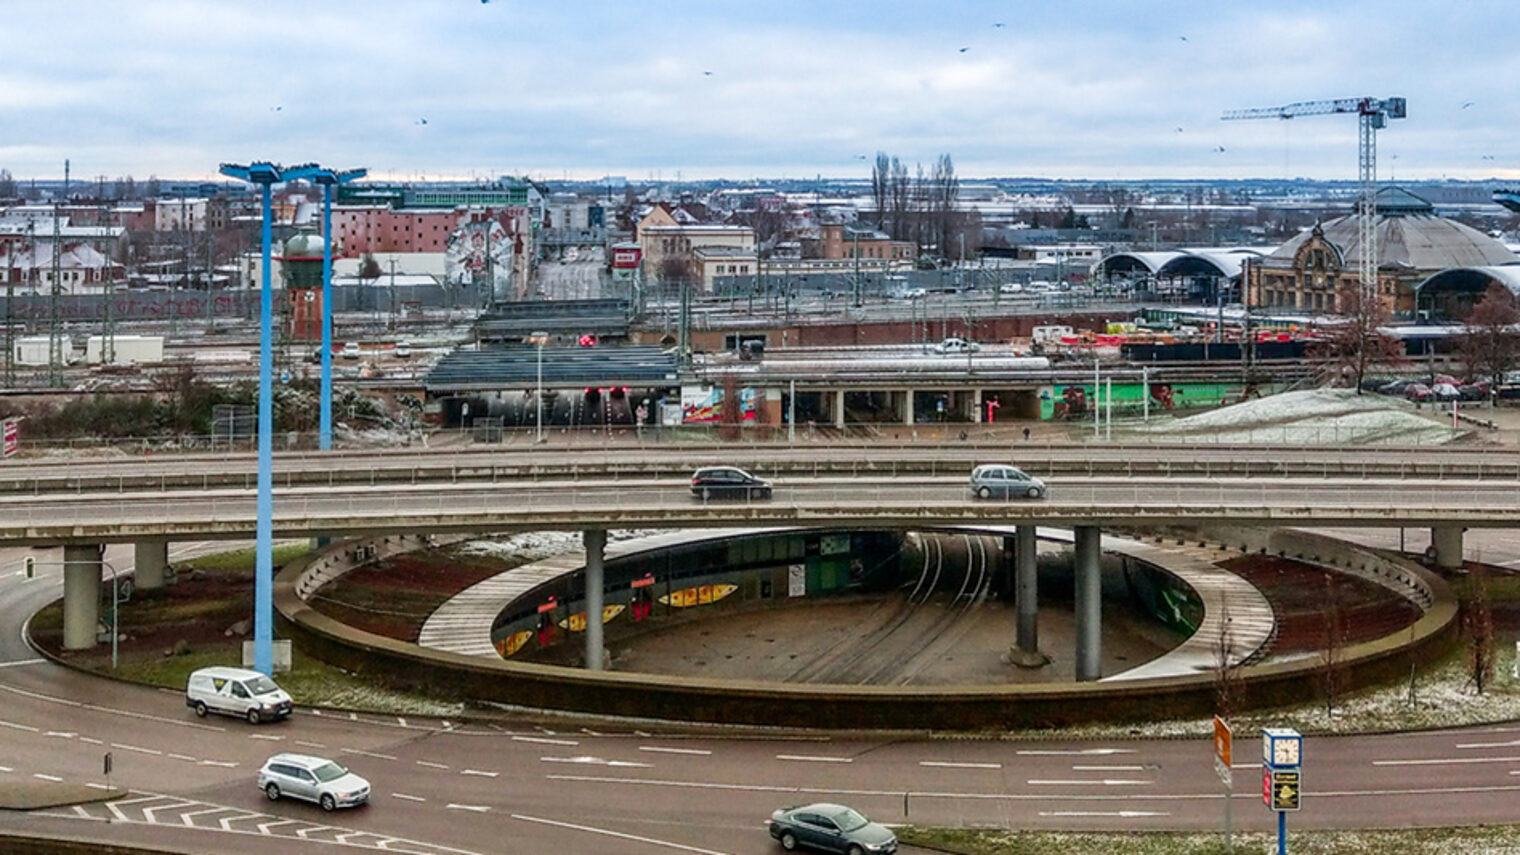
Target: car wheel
328, 803
200, 708
706, 494
272, 790
855, 850
788, 841
1034, 492
984, 492
254, 717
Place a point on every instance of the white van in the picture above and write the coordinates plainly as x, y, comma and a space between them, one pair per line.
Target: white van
236, 691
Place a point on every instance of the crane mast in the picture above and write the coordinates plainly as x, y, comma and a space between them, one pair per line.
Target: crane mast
1372, 116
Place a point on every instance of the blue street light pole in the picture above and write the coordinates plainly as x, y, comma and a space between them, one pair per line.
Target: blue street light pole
328, 178
266, 175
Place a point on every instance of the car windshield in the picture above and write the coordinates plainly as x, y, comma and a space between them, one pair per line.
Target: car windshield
261, 685
329, 772
849, 820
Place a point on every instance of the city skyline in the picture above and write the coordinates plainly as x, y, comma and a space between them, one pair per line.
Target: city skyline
459, 90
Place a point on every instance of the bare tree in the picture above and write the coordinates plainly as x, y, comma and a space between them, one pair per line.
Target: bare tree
1478, 620
7, 185
881, 179
1228, 685
1332, 672
677, 268
899, 199
1490, 337
1358, 341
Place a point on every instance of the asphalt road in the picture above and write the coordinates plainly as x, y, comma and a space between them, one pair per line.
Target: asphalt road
486, 787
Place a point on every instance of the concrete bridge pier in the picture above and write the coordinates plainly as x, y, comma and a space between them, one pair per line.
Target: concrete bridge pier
595, 540
1089, 597
81, 594
839, 409
1026, 649
1447, 542
150, 562
908, 407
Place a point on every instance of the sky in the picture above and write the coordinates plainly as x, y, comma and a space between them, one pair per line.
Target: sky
458, 89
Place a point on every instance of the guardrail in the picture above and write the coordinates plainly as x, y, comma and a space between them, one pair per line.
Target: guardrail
432, 509
887, 460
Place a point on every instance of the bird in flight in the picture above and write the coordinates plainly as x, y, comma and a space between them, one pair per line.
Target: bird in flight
1184, 38
964, 49
707, 74
860, 157
1466, 104
1179, 130
277, 109
422, 121
1219, 148
1488, 157
999, 25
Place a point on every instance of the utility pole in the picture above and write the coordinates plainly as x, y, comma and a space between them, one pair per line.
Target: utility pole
55, 313
857, 268
108, 334
393, 294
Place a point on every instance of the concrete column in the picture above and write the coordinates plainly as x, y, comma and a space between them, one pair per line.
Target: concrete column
976, 406
1089, 539
1026, 649
148, 567
908, 407
596, 549
839, 409
81, 595
1447, 540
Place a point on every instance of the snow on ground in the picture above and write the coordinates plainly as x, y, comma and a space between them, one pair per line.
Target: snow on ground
1309, 417
538, 545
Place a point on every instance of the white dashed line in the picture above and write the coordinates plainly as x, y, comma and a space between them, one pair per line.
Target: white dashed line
1114, 768
311, 744
1079, 752
225, 764
595, 761
809, 758
47, 777
478, 773
60, 734
1106, 782
90, 741
6, 769
139, 749
14, 726
19, 662
182, 757
405, 797
401, 721
475, 808
1510, 744
662, 750
1122, 814
1446, 760
375, 754
265, 736
947, 764
618, 834
431, 765
541, 741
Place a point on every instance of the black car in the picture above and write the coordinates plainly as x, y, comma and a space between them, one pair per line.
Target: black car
830, 828
728, 482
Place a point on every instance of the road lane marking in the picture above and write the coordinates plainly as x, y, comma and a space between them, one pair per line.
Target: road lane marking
595, 761
91, 741
302, 832
1110, 768
264, 827
1076, 752
189, 818
1512, 743
46, 777
814, 758
405, 797
658, 749
37, 696
139, 749
311, 744
618, 834
61, 734
948, 764
1121, 814
266, 736
6, 769
94, 786
478, 773
183, 757
1446, 760
431, 765
475, 808
1106, 782
375, 754
237, 817
14, 726
542, 741
20, 662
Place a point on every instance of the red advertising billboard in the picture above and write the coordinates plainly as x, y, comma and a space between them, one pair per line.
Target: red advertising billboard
626, 256
10, 437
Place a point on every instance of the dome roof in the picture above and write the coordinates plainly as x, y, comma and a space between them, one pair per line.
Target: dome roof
1409, 237
304, 246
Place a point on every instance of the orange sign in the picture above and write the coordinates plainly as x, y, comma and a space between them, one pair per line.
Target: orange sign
1222, 740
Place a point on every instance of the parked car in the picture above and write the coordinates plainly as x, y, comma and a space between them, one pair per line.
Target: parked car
830, 828
403, 350
351, 350
957, 345
1417, 392
1445, 392
312, 779
728, 482
1395, 387
236, 691
997, 480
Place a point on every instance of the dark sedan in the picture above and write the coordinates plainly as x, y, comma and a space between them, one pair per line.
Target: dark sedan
728, 482
830, 828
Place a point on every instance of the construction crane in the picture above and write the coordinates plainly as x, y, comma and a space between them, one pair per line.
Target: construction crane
1372, 115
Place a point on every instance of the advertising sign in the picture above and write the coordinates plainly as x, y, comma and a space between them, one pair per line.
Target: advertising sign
1222, 751
10, 437
1286, 789
796, 580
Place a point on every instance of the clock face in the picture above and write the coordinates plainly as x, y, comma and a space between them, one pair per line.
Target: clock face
1285, 752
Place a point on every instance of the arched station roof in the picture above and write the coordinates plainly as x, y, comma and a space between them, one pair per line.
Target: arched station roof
1472, 279
1224, 263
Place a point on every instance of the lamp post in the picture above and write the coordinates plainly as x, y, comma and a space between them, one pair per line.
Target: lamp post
266, 175
328, 178
539, 338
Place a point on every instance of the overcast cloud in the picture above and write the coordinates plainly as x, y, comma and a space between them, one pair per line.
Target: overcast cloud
1123, 90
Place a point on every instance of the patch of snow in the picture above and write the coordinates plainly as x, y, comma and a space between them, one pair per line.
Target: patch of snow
524, 547
1312, 416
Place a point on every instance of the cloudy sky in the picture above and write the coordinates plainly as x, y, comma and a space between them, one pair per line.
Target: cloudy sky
584, 88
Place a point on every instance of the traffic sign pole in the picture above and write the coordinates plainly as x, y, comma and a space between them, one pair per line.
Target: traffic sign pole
1282, 833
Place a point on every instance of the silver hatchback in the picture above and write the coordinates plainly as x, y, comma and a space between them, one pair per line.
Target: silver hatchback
313, 779
1001, 481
